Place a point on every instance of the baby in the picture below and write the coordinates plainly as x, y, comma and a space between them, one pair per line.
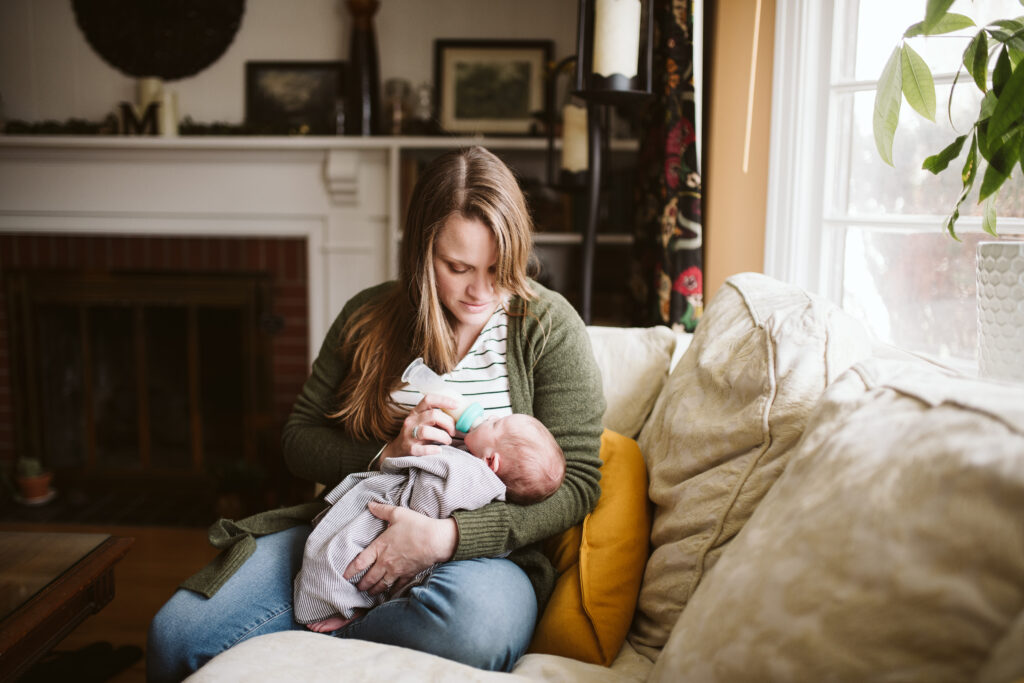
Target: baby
513, 458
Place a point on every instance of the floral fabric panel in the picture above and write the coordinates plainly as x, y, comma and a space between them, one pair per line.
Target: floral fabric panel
668, 277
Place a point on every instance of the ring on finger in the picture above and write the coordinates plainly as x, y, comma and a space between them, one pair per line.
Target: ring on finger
416, 432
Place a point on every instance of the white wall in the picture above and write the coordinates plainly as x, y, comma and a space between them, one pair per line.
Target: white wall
48, 71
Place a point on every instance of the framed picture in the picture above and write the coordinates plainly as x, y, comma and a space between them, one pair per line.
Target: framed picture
294, 98
490, 86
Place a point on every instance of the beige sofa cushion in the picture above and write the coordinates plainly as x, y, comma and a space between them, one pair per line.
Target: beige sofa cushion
892, 548
634, 365
307, 657
719, 433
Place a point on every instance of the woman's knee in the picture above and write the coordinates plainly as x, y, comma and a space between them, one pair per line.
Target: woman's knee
191, 629
478, 612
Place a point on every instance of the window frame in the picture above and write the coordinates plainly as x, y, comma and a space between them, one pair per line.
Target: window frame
804, 236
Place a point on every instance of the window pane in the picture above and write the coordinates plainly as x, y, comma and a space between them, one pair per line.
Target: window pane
881, 24
914, 290
905, 188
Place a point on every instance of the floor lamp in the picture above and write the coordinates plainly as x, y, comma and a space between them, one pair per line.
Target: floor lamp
614, 54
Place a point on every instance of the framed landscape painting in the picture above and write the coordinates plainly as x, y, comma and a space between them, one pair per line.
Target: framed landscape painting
491, 87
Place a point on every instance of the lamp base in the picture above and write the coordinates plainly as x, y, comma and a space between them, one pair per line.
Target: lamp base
614, 89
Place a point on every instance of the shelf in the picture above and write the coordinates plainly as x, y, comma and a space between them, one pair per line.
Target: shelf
298, 142
570, 238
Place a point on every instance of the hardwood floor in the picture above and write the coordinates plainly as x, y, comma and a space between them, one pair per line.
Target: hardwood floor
144, 579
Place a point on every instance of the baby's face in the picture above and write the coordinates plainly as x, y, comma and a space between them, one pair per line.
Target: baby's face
492, 434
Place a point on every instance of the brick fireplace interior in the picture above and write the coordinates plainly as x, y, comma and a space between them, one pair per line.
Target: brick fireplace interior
151, 374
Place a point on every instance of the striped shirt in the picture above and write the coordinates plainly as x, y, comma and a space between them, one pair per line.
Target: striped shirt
481, 375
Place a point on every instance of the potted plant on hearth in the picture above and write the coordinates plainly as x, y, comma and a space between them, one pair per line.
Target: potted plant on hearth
33, 481
993, 143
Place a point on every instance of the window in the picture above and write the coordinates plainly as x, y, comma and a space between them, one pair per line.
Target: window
843, 223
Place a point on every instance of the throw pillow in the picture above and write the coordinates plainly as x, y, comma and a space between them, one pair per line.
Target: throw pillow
891, 548
634, 365
721, 431
600, 563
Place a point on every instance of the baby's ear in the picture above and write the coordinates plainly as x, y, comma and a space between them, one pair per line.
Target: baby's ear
493, 461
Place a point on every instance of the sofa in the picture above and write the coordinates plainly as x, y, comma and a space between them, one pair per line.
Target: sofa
796, 502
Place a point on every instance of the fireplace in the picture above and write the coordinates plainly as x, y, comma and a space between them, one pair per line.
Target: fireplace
154, 371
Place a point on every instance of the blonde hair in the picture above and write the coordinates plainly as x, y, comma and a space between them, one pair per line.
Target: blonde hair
409, 321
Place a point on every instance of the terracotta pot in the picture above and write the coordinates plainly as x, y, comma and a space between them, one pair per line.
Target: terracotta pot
34, 489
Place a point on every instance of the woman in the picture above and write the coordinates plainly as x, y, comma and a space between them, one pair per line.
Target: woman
464, 303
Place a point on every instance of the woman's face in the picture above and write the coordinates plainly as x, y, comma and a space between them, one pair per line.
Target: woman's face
465, 257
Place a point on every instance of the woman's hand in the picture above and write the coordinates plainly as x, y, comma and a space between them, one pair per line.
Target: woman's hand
411, 543
426, 426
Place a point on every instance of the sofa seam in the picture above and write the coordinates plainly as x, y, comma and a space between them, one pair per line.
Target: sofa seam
766, 441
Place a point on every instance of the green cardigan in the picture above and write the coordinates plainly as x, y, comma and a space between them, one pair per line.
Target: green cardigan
552, 375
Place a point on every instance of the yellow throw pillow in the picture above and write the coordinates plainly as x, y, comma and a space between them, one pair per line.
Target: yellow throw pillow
600, 563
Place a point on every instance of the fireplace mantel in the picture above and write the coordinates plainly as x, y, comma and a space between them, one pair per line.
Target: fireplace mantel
339, 193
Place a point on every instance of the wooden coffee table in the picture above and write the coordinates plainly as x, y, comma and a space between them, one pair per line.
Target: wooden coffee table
49, 584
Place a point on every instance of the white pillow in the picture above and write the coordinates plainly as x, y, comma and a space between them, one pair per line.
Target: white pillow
722, 428
891, 548
634, 364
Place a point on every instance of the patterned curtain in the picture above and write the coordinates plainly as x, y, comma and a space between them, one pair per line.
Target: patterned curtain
668, 267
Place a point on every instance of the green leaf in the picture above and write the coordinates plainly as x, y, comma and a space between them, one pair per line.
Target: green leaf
970, 170
888, 98
967, 175
937, 163
918, 85
1009, 108
1012, 33
988, 105
988, 216
1006, 151
935, 10
992, 181
976, 60
947, 24
1002, 72
951, 222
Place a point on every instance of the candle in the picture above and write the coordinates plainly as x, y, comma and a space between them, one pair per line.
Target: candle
149, 90
574, 138
617, 37
169, 114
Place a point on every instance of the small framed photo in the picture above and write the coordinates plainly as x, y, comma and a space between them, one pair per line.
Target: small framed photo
490, 86
294, 98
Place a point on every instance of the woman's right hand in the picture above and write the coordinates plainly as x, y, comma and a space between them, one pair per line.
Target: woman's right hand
425, 428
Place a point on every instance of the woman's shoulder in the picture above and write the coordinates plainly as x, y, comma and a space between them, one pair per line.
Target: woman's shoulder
548, 306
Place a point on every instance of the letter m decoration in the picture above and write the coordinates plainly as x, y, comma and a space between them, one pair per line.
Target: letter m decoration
132, 124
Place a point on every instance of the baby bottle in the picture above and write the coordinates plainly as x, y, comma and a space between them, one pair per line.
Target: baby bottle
468, 415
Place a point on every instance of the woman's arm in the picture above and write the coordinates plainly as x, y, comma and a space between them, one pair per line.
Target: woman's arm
554, 358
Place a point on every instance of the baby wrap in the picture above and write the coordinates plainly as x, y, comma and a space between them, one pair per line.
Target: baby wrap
433, 485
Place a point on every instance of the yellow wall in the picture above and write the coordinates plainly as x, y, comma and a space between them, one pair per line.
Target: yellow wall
734, 199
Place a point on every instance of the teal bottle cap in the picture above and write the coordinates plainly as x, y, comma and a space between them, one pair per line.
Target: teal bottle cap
468, 417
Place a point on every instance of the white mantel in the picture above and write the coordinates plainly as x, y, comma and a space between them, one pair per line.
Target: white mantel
339, 193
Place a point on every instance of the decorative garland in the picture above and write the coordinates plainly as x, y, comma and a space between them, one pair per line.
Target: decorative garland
110, 126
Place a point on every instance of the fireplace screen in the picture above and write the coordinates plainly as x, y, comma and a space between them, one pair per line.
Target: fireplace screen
154, 379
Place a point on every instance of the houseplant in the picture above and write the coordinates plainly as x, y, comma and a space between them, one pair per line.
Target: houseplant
33, 480
992, 62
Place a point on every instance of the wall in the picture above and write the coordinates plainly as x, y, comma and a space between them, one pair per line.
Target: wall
734, 198
48, 71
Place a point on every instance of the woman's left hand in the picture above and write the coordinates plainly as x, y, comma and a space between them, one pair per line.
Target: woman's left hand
411, 543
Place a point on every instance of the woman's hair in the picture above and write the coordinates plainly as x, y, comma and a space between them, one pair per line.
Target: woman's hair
382, 337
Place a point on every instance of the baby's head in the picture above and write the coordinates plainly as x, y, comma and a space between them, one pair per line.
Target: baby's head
523, 453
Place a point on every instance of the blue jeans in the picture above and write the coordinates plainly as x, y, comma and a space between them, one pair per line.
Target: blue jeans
479, 612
